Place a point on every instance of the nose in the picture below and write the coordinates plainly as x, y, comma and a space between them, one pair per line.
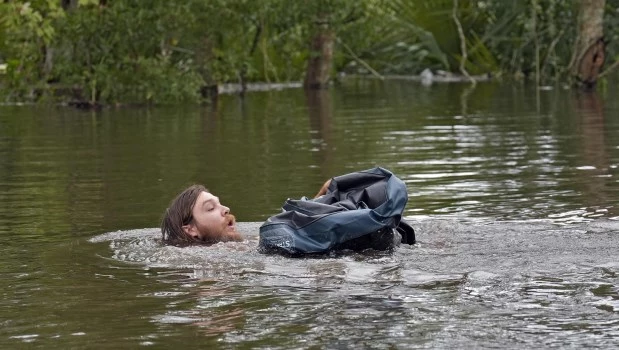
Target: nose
226, 210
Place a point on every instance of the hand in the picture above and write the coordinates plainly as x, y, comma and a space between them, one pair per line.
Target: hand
323, 189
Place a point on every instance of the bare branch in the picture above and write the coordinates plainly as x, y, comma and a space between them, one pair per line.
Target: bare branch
463, 59
362, 62
609, 69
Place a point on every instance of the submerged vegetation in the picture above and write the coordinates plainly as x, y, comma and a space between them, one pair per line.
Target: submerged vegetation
131, 51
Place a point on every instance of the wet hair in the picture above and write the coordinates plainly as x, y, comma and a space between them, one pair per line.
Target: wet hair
179, 214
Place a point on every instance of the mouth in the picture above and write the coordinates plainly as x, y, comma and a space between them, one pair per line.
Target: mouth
231, 222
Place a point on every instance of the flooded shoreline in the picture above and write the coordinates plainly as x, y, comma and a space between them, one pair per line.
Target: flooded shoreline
426, 78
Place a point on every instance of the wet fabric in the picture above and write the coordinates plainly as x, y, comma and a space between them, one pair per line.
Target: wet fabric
360, 210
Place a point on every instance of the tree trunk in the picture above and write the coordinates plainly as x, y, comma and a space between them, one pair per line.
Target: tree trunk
48, 63
588, 57
68, 5
252, 49
321, 58
48, 51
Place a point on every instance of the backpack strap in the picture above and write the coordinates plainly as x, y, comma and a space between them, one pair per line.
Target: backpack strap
407, 233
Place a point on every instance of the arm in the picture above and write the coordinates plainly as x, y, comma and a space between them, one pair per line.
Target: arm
323, 189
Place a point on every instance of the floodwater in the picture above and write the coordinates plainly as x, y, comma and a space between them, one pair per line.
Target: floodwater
513, 193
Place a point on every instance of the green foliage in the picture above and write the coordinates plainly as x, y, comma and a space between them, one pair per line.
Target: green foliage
123, 54
515, 38
131, 51
411, 35
521, 27
26, 27
127, 52
611, 31
248, 40
110, 54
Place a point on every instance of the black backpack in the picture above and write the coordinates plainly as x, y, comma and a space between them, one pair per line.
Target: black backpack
360, 210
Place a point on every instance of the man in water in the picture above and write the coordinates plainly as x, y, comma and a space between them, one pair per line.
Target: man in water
197, 216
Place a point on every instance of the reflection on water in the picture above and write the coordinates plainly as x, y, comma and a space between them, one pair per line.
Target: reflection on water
513, 193
504, 154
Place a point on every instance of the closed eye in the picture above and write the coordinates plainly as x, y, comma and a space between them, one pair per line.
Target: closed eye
209, 205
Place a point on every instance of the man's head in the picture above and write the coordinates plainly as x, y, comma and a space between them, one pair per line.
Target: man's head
197, 216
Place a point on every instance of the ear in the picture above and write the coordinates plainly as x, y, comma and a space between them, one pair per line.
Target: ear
191, 231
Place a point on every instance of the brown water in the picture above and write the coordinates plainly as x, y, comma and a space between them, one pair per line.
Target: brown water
513, 193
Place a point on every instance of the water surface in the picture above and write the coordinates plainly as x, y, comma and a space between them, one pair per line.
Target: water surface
513, 193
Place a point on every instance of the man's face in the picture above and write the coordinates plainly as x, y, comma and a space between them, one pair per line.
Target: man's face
212, 221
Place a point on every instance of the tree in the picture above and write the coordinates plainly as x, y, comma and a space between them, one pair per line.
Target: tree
589, 49
326, 18
320, 61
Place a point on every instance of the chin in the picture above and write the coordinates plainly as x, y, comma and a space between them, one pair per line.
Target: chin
229, 230
232, 236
